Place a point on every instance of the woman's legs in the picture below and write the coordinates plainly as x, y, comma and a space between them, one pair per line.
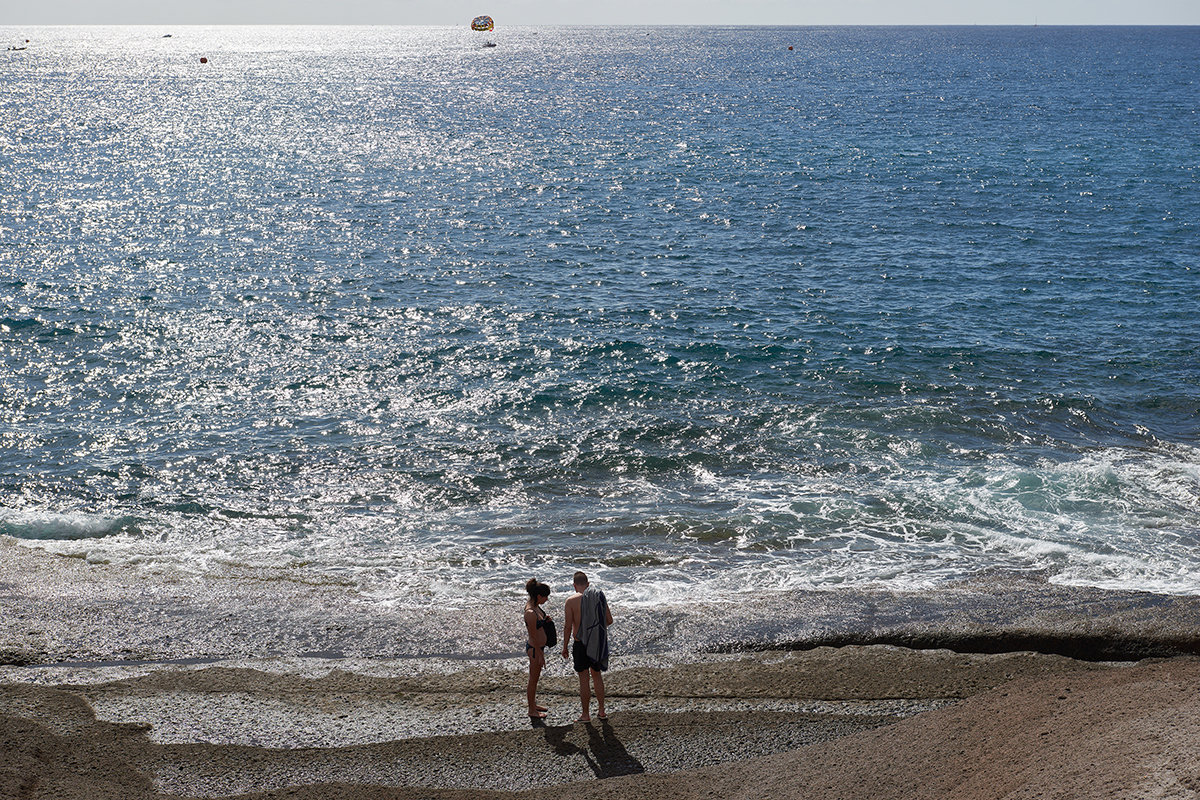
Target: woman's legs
537, 660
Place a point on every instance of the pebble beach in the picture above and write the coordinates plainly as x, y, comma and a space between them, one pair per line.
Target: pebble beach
828, 722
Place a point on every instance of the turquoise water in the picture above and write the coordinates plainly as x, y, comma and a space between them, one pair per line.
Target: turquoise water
681, 307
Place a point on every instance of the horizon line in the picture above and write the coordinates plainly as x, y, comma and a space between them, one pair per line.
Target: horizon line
612, 24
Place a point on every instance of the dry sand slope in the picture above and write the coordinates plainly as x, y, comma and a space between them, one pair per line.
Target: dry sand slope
853, 722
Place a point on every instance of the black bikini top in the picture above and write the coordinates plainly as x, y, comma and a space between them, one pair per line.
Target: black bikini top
546, 624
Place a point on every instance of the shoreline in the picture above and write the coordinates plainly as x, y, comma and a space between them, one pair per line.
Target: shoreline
64, 611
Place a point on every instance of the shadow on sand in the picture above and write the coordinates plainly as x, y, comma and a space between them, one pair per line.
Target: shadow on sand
605, 755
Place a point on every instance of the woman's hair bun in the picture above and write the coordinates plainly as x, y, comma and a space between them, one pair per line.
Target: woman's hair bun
531, 586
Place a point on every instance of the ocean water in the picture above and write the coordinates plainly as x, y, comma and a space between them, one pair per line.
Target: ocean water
702, 315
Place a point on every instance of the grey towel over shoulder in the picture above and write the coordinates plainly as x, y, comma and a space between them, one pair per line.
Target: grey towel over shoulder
593, 626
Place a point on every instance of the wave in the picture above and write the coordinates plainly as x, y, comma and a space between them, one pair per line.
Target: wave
10, 324
51, 526
1114, 518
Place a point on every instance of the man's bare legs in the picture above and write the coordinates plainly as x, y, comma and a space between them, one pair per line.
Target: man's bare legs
598, 679
585, 693
585, 696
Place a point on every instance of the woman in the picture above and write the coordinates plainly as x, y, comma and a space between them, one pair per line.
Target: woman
540, 634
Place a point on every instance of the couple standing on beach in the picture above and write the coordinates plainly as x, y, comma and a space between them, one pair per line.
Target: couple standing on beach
585, 631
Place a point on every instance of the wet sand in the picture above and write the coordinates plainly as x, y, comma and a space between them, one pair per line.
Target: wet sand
874, 721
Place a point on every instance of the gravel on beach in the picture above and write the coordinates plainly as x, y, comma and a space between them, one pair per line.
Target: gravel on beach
218, 732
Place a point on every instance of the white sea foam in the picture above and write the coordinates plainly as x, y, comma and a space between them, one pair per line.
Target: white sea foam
52, 526
1102, 520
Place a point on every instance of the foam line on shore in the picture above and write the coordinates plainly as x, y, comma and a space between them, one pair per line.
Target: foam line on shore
64, 610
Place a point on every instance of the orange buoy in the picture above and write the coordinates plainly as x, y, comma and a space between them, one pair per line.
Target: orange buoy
790, 47
203, 60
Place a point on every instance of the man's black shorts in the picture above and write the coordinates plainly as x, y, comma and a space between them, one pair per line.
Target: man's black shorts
582, 662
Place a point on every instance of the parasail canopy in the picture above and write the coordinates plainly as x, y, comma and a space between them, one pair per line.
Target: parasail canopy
483, 23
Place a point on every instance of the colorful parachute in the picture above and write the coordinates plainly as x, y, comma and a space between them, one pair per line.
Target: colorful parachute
483, 23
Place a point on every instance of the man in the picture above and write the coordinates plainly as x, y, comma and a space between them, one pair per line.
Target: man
586, 629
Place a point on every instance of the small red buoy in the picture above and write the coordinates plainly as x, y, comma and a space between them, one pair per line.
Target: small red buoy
203, 60
790, 47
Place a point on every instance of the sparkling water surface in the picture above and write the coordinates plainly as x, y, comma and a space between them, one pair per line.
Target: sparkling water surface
704, 316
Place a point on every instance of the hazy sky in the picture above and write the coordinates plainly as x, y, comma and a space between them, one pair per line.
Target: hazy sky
604, 12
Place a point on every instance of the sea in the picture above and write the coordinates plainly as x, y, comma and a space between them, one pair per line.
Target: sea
707, 312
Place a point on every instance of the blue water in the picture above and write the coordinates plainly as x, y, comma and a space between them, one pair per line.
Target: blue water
697, 313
